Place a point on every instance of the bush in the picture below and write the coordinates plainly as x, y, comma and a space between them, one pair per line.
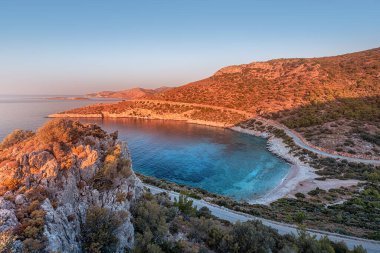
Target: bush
252, 236
59, 130
300, 217
6, 241
67, 131
15, 137
300, 195
185, 205
154, 214
98, 230
33, 245
114, 165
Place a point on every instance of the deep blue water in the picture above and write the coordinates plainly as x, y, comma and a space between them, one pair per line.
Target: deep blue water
218, 160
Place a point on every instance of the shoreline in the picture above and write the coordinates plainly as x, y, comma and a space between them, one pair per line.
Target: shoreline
298, 172
300, 178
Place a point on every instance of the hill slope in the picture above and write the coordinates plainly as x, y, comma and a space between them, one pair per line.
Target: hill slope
280, 84
133, 93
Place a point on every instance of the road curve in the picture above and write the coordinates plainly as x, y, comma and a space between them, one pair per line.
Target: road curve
301, 143
232, 216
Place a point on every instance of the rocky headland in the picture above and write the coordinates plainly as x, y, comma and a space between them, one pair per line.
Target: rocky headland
62, 186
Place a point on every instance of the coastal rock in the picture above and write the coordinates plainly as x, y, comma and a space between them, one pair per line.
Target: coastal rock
50, 191
39, 159
8, 219
20, 199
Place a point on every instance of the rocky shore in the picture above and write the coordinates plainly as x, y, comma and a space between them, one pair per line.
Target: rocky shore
52, 180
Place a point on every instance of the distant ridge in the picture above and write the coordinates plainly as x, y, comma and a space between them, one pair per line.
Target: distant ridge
280, 84
133, 93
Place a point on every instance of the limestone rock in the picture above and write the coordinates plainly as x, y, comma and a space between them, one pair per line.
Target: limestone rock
20, 199
62, 180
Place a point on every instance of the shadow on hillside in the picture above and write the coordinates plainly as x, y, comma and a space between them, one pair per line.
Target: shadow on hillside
364, 109
345, 126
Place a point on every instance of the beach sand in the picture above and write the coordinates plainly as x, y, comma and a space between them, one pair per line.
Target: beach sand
300, 178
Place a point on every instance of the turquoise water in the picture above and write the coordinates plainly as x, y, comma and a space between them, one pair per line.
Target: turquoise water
218, 160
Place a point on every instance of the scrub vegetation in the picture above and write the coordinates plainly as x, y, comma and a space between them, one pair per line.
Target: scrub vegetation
162, 110
358, 216
347, 125
164, 226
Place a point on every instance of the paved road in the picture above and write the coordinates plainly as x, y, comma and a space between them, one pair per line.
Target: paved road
301, 143
282, 228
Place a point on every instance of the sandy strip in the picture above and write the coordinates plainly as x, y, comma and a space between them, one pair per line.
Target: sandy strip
300, 178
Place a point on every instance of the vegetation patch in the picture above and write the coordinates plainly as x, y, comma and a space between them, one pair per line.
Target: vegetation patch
163, 226
98, 231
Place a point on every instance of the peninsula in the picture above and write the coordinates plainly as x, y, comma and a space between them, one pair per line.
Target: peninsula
320, 114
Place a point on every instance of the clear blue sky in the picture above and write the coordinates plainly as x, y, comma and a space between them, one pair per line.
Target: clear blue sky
78, 46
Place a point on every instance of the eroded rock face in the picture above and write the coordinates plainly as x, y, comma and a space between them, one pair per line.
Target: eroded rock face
61, 188
63, 224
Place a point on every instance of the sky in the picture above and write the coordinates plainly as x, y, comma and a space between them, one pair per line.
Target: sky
78, 47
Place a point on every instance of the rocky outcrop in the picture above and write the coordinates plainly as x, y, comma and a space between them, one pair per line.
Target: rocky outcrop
61, 185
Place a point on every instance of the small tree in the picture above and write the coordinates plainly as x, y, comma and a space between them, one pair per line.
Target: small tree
185, 205
300, 217
98, 230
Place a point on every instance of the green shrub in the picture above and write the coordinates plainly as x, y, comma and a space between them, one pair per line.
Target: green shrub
99, 227
300, 195
300, 217
185, 205
113, 166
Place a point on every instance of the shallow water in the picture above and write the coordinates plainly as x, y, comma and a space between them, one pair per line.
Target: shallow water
218, 160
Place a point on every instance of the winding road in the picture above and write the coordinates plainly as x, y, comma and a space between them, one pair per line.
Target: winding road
232, 216
299, 141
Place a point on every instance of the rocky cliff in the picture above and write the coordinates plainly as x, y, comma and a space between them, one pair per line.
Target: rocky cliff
54, 183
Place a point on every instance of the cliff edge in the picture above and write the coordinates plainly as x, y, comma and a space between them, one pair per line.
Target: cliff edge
66, 188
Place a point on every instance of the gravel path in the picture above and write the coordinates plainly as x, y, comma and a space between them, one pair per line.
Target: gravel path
232, 216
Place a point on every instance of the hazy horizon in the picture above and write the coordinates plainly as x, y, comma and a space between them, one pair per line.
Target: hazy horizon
74, 48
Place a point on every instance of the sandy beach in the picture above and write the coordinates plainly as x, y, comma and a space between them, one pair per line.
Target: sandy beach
300, 178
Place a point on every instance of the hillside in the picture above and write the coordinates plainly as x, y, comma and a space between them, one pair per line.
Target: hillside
271, 86
133, 93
